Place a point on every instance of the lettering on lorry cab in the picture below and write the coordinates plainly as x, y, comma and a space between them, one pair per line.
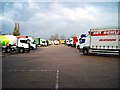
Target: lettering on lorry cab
106, 32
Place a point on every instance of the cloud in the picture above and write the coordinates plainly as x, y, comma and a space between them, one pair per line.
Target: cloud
61, 0
45, 19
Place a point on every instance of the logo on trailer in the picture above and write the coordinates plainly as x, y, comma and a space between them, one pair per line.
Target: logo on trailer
107, 39
106, 32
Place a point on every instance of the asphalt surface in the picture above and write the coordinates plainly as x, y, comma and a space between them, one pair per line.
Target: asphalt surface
59, 66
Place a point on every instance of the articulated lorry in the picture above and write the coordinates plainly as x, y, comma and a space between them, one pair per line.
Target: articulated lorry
101, 41
10, 42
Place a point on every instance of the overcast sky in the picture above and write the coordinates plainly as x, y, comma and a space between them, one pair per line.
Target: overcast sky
43, 19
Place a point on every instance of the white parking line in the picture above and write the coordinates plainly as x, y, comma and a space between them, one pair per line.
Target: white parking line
57, 78
19, 70
31, 70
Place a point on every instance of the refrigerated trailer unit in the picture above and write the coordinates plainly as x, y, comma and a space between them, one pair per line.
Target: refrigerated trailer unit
101, 41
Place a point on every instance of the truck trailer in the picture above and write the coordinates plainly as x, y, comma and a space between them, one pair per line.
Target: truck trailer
101, 41
10, 42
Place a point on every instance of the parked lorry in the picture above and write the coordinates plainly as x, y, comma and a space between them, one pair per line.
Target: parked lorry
10, 42
67, 42
56, 42
78, 40
37, 41
61, 41
43, 42
101, 41
33, 46
72, 41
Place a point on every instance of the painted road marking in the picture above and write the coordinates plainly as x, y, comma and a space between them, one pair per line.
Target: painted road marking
57, 78
18, 70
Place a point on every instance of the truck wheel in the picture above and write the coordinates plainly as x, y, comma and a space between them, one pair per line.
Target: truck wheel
85, 51
31, 48
78, 47
8, 50
3, 50
21, 50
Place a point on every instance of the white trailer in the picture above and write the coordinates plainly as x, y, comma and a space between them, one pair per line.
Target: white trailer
21, 44
101, 41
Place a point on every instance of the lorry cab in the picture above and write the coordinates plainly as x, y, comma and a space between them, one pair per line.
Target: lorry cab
43, 42
23, 45
101, 41
56, 42
32, 44
71, 41
84, 43
67, 42
77, 42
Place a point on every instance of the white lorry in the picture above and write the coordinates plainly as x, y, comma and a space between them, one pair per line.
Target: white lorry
71, 41
101, 41
78, 40
43, 42
67, 42
20, 44
33, 46
56, 42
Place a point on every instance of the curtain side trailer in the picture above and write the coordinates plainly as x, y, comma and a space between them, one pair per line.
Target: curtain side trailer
101, 41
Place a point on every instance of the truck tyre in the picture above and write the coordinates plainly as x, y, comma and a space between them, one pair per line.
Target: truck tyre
31, 48
8, 50
78, 47
85, 51
3, 50
21, 50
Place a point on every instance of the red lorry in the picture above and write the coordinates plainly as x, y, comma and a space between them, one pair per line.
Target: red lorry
73, 41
